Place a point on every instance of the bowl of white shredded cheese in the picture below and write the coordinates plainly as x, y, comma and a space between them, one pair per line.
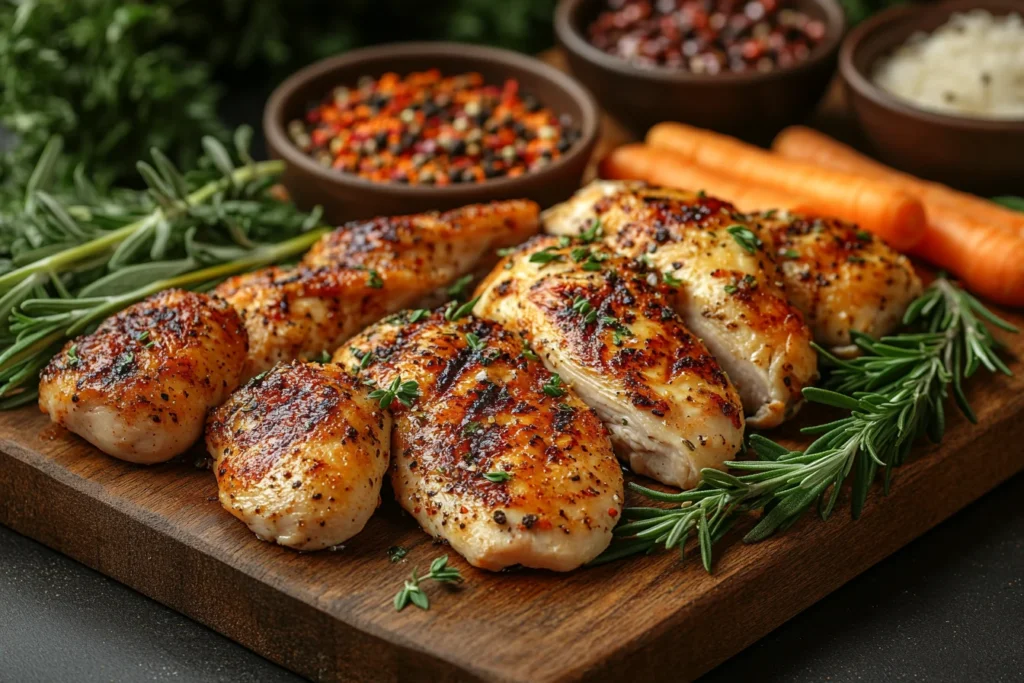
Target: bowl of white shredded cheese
973, 65
938, 90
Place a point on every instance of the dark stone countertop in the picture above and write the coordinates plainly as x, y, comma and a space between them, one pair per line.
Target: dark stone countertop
948, 607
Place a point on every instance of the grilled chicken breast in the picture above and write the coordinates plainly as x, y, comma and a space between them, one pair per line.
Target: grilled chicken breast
138, 388
364, 270
491, 455
594, 319
300, 453
730, 291
842, 279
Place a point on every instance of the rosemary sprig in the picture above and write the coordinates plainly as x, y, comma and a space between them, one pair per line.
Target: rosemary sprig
412, 592
42, 325
894, 394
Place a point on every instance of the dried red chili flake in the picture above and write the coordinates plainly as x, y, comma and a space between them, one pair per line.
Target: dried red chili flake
706, 36
430, 129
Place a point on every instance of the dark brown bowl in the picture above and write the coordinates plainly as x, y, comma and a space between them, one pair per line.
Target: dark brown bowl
753, 106
981, 155
346, 196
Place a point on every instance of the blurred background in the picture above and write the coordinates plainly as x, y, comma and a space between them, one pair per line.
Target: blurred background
181, 69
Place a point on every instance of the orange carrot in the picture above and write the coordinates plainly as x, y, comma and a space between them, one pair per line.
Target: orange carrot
890, 213
660, 167
806, 145
986, 257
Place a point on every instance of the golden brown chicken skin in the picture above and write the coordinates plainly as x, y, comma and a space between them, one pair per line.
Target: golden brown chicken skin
729, 290
364, 270
843, 279
612, 335
138, 388
491, 455
300, 453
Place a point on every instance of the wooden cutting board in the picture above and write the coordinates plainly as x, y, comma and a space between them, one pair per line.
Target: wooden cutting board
329, 616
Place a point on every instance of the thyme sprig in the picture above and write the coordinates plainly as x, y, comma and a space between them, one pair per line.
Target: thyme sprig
413, 592
894, 394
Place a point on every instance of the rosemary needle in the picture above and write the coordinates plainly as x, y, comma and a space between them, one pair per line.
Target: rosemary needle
894, 394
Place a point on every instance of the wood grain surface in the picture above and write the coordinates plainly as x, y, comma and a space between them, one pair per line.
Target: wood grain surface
328, 615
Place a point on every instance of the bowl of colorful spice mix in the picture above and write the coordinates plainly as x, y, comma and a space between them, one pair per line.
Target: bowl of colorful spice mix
414, 127
743, 67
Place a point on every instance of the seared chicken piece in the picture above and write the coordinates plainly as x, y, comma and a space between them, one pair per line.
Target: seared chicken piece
300, 453
138, 388
843, 279
616, 340
730, 291
491, 454
364, 270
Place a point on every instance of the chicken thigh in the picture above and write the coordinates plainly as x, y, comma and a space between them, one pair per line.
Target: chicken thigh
364, 270
300, 453
138, 388
729, 290
489, 451
612, 336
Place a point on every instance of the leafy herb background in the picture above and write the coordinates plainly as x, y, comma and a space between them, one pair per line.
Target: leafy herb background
117, 78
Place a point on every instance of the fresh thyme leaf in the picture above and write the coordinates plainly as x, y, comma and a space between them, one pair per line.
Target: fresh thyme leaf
564, 241
894, 393
545, 256
593, 233
458, 288
72, 354
744, 237
553, 387
373, 279
864, 235
473, 427
505, 251
418, 315
324, 358
405, 392
528, 352
670, 279
439, 572
582, 307
456, 310
396, 553
474, 341
791, 253
731, 288
497, 477
579, 253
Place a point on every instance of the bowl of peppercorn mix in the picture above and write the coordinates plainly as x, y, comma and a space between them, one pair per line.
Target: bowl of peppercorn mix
399, 129
743, 67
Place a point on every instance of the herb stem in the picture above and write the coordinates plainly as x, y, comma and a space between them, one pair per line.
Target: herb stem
62, 260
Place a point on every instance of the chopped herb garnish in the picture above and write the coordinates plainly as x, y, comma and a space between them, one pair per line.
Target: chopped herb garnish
583, 307
670, 279
411, 591
744, 237
545, 256
454, 312
323, 358
73, 359
731, 288
791, 253
364, 360
506, 251
528, 352
473, 427
579, 253
405, 392
373, 279
418, 315
592, 233
458, 288
396, 553
497, 477
864, 235
564, 241
854, 259
553, 387
474, 341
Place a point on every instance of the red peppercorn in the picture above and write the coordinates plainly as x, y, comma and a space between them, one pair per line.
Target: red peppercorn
706, 36
428, 129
